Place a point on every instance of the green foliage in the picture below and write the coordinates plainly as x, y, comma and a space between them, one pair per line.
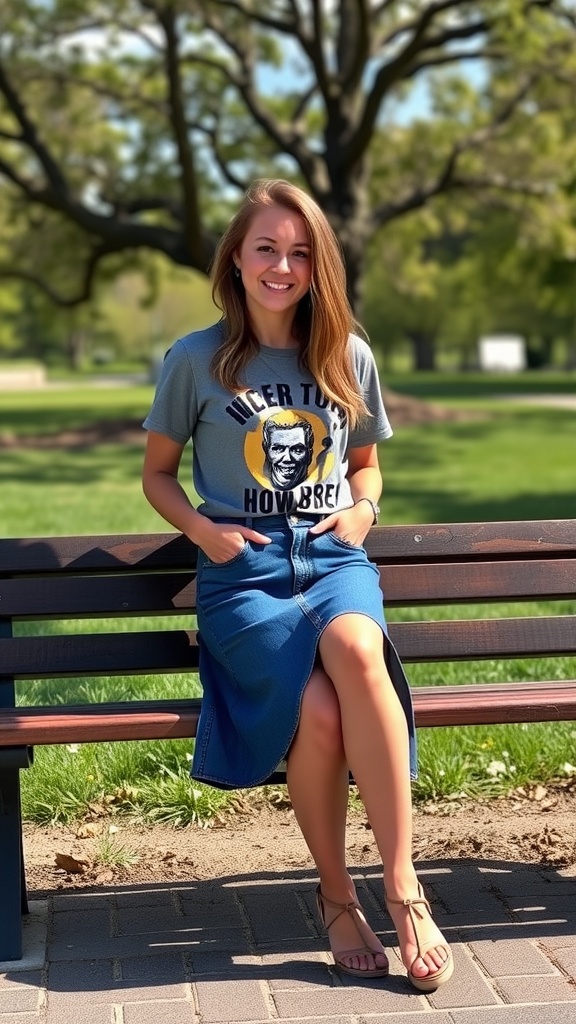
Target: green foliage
132, 126
488, 761
145, 781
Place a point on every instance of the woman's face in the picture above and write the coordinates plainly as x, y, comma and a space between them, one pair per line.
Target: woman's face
275, 261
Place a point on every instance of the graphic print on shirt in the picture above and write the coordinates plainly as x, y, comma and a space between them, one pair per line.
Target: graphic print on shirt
288, 451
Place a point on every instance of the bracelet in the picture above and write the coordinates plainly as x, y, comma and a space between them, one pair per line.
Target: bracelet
373, 506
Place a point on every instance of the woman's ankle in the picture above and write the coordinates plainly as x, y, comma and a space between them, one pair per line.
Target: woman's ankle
401, 884
337, 888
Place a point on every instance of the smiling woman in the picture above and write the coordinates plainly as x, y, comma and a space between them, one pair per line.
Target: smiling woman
283, 404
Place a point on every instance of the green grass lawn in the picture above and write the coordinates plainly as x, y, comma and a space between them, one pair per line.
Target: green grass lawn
501, 461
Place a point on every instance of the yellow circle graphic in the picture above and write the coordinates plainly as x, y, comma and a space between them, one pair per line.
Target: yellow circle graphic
288, 447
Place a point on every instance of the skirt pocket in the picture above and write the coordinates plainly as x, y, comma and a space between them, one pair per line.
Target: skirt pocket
342, 542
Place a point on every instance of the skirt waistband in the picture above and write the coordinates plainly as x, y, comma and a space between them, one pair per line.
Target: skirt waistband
291, 519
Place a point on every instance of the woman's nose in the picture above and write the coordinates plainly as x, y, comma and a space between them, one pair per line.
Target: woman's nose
283, 266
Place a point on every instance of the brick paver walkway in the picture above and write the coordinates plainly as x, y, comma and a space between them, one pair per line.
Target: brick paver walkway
249, 949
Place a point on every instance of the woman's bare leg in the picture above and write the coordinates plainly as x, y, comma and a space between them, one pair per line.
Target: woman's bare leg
317, 777
375, 740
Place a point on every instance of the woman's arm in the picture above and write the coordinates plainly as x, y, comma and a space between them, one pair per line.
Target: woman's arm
160, 483
364, 474
353, 524
161, 487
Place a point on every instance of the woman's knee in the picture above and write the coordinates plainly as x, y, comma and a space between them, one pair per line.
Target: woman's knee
354, 652
355, 642
320, 712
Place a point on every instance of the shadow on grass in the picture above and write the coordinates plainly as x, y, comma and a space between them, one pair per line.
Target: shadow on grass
435, 507
433, 386
86, 465
505, 467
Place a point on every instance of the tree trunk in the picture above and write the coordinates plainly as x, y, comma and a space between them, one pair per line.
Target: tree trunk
76, 348
424, 350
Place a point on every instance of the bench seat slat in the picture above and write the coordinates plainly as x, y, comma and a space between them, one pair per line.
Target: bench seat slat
177, 719
84, 723
176, 650
165, 593
495, 703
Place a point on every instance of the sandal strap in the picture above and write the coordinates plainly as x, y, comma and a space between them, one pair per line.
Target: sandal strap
417, 920
412, 902
343, 908
358, 920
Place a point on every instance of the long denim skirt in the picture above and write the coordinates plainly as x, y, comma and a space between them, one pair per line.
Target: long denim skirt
260, 617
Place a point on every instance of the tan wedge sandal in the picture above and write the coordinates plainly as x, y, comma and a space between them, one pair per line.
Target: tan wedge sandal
355, 911
431, 981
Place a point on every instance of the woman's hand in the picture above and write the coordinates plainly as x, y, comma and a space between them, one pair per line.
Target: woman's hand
351, 524
221, 542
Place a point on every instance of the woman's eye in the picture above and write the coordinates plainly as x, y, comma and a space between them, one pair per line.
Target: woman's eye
301, 254
265, 248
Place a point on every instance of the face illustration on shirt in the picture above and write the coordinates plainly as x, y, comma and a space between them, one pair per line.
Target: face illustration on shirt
289, 449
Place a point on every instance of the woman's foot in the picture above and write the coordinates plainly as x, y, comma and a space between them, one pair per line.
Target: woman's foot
425, 953
355, 947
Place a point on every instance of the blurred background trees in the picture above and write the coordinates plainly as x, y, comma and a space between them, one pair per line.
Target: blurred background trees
438, 136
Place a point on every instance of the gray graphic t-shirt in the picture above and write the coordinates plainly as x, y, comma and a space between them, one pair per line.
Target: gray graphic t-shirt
279, 445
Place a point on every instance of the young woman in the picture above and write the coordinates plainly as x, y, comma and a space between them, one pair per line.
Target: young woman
282, 402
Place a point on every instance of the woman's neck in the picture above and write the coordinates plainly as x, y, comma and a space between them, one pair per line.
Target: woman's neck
274, 331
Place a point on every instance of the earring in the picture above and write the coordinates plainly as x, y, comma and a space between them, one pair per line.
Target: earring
236, 271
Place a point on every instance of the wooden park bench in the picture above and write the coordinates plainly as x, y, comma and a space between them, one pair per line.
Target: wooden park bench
120, 576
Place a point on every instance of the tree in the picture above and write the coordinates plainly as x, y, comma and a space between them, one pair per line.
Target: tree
127, 124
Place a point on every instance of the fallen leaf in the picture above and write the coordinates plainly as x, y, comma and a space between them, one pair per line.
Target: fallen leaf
105, 876
86, 831
73, 865
549, 804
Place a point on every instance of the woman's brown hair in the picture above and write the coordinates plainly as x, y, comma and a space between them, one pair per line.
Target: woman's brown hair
323, 319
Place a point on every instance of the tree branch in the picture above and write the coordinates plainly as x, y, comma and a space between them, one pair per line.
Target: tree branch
231, 178
448, 180
134, 100
353, 44
15, 178
85, 293
30, 136
287, 140
188, 177
399, 68
290, 26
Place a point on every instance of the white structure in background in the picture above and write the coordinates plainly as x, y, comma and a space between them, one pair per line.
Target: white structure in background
20, 378
502, 352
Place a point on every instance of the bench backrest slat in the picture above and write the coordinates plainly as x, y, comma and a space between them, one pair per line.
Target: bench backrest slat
98, 596
162, 593
429, 541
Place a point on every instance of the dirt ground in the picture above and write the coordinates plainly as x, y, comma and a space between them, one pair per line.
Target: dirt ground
538, 828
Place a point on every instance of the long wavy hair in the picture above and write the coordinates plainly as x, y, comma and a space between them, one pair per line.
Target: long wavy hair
323, 319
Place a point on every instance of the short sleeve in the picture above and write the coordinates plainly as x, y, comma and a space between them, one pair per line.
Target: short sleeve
375, 427
174, 410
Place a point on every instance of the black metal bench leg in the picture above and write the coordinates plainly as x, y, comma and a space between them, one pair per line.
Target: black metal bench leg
13, 901
25, 909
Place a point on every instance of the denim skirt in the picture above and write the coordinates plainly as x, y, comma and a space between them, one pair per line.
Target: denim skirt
260, 617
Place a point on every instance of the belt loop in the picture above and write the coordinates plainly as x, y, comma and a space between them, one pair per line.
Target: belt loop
249, 520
